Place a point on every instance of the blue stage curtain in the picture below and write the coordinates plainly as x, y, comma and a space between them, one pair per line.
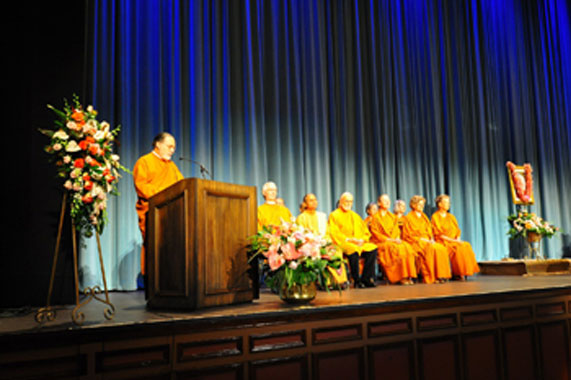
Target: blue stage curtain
398, 96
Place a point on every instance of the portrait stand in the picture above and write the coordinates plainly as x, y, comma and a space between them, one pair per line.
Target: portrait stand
48, 313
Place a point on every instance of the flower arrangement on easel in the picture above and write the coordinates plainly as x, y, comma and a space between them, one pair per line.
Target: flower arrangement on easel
82, 149
523, 223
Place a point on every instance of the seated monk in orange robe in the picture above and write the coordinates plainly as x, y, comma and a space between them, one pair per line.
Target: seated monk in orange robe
270, 212
371, 210
395, 256
153, 173
350, 233
417, 231
399, 210
446, 231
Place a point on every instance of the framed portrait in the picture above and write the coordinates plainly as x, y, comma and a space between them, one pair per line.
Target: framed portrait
521, 183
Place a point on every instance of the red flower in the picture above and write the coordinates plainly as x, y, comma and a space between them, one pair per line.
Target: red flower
93, 150
79, 163
83, 144
86, 177
110, 178
88, 185
87, 198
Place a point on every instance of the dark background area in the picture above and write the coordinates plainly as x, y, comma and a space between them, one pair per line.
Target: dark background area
45, 51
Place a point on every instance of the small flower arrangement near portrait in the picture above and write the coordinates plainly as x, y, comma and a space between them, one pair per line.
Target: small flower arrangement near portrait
525, 223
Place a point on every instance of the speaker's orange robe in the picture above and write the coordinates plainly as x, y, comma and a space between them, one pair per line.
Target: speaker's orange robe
433, 257
397, 259
151, 175
273, 214
462, 255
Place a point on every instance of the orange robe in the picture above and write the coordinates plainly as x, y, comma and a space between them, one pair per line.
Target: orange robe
433, 257
369, 220
398, 259
462, 255
273, 214
348, 224
151, 175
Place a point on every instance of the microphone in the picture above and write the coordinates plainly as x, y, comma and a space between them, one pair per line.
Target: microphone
203, 169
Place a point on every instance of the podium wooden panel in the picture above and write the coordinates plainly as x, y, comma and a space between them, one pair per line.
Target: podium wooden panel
196, 244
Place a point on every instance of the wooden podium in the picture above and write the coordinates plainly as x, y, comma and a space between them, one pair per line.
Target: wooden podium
196, 244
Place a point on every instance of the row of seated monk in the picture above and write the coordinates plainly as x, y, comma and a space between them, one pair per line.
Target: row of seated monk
405, 247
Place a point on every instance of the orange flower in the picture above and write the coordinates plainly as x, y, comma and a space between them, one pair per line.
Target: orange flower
77, 115
83, 144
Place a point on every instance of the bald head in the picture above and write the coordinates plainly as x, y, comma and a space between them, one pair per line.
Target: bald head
384, 202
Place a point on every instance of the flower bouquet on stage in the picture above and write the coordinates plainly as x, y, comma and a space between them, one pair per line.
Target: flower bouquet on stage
295, 261
531, 227
82, 148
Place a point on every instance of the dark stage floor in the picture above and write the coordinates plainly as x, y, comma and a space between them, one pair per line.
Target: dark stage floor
131, 308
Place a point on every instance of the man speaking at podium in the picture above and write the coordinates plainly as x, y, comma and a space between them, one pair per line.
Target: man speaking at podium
153, 173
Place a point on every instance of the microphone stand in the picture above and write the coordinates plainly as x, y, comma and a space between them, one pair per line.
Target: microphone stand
203, 169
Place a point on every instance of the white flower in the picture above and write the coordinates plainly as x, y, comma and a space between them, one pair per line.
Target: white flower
72, 147
90, 127
73, 126
66, 159
293, 265
60, 135
57, 147
99, 135
97, 191
115, 157
68, 185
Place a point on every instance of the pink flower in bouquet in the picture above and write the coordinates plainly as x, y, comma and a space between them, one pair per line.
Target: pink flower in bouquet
289, 252
310, 250
298, 235
272, 250
275, 261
